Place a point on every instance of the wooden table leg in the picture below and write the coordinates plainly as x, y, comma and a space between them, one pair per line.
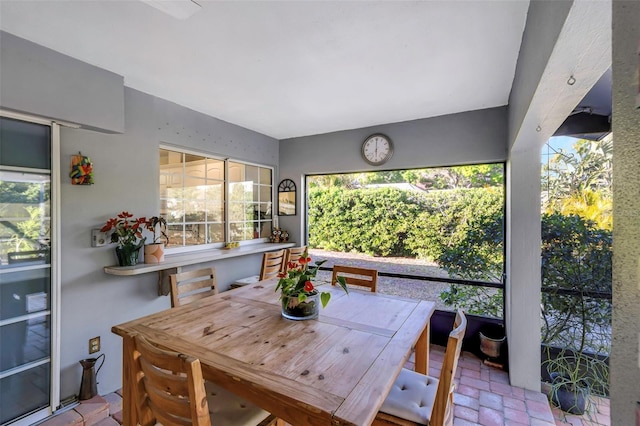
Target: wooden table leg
128, 403
422, 352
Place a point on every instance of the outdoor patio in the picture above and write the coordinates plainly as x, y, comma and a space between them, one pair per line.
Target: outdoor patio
483, 397
488, 403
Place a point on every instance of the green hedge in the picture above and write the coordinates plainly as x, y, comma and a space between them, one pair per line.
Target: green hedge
394, 222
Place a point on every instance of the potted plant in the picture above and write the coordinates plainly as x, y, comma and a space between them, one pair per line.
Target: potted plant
154, 252
492, 337
575, 377
127, 233
298, 294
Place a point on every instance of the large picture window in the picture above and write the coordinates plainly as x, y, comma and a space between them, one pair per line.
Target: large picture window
193, 199
434, 233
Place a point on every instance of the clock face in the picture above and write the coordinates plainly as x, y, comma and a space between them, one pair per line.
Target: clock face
377, 149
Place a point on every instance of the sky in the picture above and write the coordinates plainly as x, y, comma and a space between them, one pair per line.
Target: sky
558, 142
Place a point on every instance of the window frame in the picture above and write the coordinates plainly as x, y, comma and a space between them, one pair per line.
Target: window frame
226, 202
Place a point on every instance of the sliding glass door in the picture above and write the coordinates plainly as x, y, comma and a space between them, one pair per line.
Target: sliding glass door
26, 274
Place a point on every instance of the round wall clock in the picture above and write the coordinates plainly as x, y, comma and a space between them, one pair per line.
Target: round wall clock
377, 149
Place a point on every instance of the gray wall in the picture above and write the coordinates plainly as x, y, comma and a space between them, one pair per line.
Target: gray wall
545, 20
126, 178
457, 139
40, 81
625, 356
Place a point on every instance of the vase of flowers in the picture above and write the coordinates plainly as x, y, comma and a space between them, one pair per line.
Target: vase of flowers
154, 252
299, 297
127, 233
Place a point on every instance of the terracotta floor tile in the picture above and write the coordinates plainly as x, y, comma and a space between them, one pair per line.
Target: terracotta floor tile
470, 373
535, 396
501, 388
466, 413
539, 410
491, 400
516, 415
517, 392
465, 401
463, 422
476, 383
490, 417
468, 391
515, 403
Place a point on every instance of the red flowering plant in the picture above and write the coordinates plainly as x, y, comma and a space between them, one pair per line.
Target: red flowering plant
296, 285
125, 230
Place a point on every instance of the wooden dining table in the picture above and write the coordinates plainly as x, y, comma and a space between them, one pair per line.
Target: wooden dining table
333, 370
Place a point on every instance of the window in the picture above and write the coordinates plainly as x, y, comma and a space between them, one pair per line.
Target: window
250, 201
193, 201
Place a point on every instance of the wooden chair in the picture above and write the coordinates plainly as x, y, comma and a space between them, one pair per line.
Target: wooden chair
192, 285
416, 399
291, 256
169, 389
272, 264
356, 276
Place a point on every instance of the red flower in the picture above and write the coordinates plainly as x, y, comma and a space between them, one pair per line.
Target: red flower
308, 286
282, 275
124, 230
304, 260
111, 223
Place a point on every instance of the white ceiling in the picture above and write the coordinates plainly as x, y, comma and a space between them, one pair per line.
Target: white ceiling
294, 68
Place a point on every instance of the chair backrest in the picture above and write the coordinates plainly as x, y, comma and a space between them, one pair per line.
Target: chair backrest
362, 277
168, 387
292, 256
271, 264
192, 285
443, 404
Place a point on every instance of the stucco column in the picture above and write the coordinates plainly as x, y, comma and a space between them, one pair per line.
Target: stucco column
523, 266
625, 352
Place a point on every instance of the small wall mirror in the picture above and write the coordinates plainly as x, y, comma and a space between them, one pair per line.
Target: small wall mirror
287, 198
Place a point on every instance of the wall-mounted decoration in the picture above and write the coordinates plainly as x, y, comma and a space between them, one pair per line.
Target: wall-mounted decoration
81, 170
287, 198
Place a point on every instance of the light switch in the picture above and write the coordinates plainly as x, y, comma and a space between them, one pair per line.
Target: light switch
98, 238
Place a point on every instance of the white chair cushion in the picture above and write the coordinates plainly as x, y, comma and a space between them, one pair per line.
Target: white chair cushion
411, 397
245, 281
228, 409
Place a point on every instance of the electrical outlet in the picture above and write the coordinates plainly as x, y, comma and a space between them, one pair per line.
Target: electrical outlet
94, 345
98, 238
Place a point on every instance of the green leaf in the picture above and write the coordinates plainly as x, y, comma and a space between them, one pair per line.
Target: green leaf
343, 283
324, 298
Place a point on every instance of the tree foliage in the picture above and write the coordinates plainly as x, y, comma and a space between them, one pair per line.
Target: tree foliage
375, 221
576, 257
462, 230
580, 182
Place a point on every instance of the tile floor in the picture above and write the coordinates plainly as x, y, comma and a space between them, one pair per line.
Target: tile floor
598, 414
483, 397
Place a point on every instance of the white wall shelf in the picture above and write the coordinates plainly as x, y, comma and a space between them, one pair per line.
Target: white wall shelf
183, 259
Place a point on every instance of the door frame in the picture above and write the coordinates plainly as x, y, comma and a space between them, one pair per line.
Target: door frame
54, 391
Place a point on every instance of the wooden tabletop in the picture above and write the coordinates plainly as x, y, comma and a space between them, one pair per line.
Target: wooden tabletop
336, 369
